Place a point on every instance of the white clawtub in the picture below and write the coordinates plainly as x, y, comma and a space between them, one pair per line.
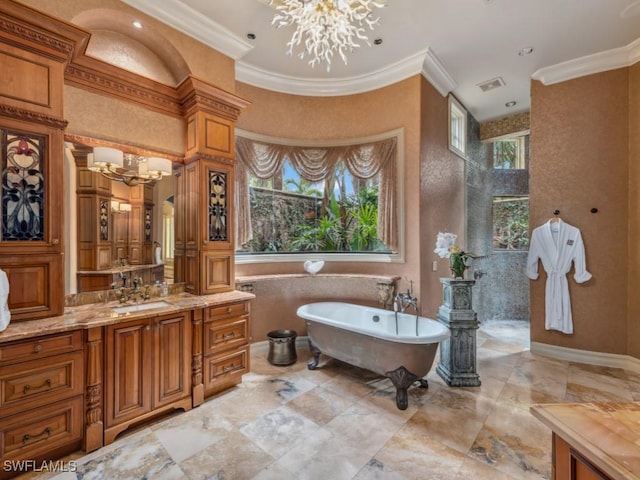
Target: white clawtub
399, 346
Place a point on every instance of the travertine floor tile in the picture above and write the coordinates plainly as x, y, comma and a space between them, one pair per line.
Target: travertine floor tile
341, 422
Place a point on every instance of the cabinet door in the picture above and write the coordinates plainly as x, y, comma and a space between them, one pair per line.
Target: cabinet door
127, 379
217, 213
31, 223
172, 354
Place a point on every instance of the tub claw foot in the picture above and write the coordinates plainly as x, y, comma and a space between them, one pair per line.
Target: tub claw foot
423, 383
402, 379
315, 352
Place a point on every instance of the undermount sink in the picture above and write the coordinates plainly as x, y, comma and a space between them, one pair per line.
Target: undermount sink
141, 306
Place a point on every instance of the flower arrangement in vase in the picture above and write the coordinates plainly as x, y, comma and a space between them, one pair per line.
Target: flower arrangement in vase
459, 260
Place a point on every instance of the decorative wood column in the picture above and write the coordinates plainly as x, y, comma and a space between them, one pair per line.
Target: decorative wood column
457, 364
93, 427
204, 249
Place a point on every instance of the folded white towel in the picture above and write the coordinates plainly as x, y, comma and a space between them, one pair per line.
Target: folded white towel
5, 314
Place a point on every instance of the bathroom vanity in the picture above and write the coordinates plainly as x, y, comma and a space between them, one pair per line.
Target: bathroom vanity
593, 441
77, 380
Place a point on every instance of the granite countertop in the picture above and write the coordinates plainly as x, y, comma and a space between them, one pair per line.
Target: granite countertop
99, 314
607, 434
126, 268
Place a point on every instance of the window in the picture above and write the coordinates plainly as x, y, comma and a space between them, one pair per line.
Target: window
291, 214
511, 223
340, 203
457, 127
509, 154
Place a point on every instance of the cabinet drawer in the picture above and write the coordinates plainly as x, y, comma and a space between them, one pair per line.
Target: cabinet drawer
40, 347
225, 334
227, 310
40, 382
33, 433
217, 367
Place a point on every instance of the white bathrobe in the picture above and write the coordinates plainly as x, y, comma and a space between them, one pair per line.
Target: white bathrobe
557, 244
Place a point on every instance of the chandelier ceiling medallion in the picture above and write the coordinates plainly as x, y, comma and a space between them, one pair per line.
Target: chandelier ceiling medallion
127, 168
324, 27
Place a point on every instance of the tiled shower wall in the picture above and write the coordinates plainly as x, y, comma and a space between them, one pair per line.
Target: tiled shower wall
502, 288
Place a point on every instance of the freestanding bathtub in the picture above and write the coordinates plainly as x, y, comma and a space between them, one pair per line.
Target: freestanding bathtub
400, 347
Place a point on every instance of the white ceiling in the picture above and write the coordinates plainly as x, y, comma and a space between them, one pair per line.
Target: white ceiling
456, 44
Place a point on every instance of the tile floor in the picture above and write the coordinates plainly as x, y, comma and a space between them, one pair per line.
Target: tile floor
341, 422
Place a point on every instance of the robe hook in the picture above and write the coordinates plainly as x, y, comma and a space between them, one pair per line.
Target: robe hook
594, 210
556, 212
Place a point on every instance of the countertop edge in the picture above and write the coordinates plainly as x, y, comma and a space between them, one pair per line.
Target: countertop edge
610, 466
98, 315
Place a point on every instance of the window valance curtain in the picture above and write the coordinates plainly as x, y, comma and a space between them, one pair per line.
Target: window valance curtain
316, 164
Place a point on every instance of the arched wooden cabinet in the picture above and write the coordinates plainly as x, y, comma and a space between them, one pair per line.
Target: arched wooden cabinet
34, 54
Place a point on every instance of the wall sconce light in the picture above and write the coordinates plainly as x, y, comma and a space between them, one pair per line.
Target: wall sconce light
127, 168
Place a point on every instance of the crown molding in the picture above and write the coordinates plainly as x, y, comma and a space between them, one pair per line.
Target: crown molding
599, 62
190, 22
436, 74
321, 87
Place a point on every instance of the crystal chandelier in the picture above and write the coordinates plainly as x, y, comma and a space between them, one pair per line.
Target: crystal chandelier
324, 27
127, 168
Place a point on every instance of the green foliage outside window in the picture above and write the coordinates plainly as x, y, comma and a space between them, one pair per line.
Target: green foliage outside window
510, 223
300, 218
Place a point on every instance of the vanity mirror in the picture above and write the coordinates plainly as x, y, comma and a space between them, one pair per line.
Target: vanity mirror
120, 212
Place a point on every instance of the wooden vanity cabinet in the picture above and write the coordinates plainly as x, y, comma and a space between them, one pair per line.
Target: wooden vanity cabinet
226, 345
41, 397
148, 368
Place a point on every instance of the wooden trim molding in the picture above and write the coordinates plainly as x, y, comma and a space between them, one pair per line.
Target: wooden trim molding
100, 77
196, 95
95, 142
40, 33
32, 117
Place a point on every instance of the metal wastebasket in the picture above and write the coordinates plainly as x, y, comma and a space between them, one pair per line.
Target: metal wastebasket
282, 347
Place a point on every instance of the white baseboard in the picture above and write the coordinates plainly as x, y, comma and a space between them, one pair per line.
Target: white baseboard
584, 356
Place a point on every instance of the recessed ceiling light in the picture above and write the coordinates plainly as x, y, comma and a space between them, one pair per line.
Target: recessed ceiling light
512, 103
377, 41
251, 36
525, 51
137, 23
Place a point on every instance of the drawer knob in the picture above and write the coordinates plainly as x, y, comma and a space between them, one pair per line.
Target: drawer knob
229, 310
27, 387
37, 348
27, 437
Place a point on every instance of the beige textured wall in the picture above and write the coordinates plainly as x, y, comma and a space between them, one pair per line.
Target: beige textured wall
633, 336
442, 200
110, 119
315, 118
579, 160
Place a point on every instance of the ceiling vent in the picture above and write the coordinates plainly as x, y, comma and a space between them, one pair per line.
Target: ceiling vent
491, 84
